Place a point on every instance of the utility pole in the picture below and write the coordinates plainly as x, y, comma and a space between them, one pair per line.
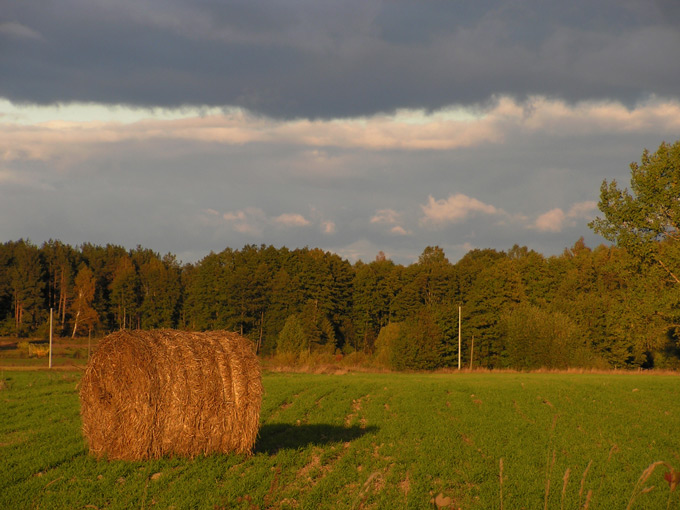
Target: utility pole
459, 337
472, 351
50, 338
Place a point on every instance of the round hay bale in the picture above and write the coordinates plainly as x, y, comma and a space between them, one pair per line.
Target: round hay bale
146, 394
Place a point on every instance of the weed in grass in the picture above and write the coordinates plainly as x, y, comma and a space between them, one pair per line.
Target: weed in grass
589, 496
565, 481
583, 482
500, 477
672, 477
549, 470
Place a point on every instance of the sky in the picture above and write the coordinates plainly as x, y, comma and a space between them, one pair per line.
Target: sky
355, 126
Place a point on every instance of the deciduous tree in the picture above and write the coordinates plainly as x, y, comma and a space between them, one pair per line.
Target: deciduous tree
83, 295
646, 219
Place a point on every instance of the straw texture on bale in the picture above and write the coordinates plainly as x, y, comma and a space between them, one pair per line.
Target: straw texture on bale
147, 394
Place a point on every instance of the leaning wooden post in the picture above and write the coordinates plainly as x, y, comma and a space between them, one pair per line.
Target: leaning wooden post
472, 350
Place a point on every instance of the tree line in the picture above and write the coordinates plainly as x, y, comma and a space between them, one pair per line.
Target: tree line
584, 307
611, 306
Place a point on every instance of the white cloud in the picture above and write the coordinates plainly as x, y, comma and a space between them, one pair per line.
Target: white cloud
10, 177
454, 209
19, 31
253, 220
399, 230
387, 216
556, 219
249, 221
366, 250
292, 220
234, 216
36, 132
328, 227
552, 221
383, 196
582, 210
390, 217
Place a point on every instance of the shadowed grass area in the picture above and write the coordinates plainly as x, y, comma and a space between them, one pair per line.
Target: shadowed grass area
276, 437
371, 441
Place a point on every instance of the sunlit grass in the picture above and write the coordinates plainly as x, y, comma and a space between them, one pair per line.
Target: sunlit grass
370, 441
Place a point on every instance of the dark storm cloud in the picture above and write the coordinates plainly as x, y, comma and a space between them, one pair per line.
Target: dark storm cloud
326, 59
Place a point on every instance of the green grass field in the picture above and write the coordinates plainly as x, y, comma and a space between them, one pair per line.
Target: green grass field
66, 353
370, 441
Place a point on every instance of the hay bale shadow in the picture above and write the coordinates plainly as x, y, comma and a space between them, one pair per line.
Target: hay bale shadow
281, 436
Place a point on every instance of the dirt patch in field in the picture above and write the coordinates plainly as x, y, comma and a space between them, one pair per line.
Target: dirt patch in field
356, 409
374, 482
521, 413
312, 465
285, 405
16, 437
471, 443
405, 485
317, 469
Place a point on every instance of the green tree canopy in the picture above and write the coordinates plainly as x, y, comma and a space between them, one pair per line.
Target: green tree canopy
536, 337
26, 280
646, 219
292, 338
81, 306
418, 344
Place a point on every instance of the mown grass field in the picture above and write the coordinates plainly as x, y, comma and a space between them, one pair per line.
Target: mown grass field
370, 441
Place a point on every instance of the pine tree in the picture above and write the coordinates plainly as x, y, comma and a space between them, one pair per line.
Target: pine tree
26, 274
292, 338
125, 293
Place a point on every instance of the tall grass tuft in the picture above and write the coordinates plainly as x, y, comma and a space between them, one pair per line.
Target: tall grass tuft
550, 463
501, 481
589, 497
672, 477
548, 476
565, 481
583, 482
